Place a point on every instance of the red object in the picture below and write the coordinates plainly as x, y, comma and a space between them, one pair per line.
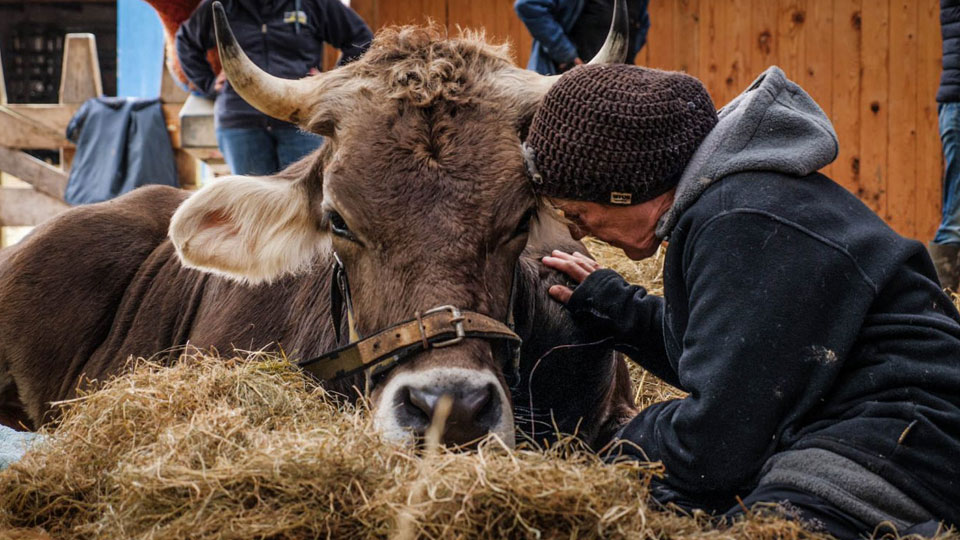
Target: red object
172, 14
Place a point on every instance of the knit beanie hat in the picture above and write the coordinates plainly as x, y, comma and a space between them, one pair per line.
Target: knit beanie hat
616, 134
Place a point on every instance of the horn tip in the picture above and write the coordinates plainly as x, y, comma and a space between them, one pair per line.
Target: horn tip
226, 42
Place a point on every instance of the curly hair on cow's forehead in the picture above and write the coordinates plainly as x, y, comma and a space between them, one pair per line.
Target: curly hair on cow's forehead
425, 64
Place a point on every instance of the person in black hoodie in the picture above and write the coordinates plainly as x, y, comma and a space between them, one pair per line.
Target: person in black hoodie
945, 246
820, 356
283, 37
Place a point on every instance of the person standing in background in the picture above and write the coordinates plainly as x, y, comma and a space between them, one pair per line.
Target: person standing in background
945, 247
566, 31
283, 37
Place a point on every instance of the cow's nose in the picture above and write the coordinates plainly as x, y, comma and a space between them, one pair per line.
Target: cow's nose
474, 411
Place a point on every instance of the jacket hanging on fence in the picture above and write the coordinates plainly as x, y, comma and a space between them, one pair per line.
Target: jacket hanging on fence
122, 144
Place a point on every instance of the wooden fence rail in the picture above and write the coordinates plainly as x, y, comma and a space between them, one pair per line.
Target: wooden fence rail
43, 126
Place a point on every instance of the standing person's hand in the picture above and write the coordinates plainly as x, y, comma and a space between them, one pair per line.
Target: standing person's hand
221, 80
569, 65
576, 265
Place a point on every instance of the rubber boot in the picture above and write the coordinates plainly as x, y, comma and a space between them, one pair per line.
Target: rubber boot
946, 258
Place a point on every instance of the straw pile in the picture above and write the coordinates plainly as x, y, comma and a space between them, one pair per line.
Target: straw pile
249, 448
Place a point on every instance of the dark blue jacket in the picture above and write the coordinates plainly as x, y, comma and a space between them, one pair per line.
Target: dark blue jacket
551, 21
950, 31
122, 144
276, 39
793, 316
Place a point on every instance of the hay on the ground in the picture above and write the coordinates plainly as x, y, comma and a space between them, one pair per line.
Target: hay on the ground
233, 448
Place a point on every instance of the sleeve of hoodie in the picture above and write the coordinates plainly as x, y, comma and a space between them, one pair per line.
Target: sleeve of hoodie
345, 30
193, 40
773, 310
538, 16
605, 305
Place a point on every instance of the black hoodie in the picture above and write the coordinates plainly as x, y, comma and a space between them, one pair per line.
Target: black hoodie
283, 37
793, 316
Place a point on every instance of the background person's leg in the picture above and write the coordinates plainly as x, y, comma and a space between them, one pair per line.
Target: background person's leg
293, 144
249, 151
945, 248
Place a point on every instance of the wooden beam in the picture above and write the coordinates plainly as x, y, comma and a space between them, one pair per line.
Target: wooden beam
54, 116
18, 130
44, 125
3, 86
21, 207
206, 154
44, 178
169, 91
80, 77
186, 169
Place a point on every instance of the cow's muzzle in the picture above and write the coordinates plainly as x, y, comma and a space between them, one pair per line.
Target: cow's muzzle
478, 406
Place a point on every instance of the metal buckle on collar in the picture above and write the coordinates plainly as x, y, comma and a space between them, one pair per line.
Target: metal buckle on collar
456, 321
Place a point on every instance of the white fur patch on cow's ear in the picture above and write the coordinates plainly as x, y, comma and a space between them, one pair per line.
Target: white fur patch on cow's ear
250, 229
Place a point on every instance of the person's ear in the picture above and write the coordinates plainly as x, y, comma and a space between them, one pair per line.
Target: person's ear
247, 228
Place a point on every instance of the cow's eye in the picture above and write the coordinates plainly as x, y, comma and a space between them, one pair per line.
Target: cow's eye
338, 226
524, 226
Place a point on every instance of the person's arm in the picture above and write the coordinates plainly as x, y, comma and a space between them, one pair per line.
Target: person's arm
604, 304
773, 313
345, 30
194, 38
537, 16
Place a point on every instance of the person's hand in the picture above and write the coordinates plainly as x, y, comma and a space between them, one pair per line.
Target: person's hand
221, 80
567, 65
576, 265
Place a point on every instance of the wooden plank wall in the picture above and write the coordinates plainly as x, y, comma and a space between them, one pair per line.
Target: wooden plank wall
872, 65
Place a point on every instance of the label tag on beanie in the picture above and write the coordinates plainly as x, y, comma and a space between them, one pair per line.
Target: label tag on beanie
618, 197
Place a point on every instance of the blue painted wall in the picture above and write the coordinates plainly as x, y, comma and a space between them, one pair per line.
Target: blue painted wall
139, 49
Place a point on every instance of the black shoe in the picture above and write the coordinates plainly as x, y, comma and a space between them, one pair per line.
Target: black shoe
946, 259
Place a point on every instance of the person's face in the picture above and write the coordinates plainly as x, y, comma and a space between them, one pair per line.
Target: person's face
630, 228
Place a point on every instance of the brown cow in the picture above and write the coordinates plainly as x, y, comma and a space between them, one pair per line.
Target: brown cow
419, 189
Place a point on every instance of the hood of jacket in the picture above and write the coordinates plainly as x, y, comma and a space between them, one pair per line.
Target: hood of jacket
772, 126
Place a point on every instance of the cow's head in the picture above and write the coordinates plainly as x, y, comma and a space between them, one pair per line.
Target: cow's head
419, 189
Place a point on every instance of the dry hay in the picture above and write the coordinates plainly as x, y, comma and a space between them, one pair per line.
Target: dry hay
248, 448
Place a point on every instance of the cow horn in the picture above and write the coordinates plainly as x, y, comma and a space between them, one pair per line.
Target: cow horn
280, 98
617, 44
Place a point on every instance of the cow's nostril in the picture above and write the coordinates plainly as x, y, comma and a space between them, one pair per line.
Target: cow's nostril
423, 400
476, 401
474, 411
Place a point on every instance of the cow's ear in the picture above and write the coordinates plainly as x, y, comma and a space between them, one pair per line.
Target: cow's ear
247, 228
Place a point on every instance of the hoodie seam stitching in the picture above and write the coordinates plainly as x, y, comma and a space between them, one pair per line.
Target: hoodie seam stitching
792, 224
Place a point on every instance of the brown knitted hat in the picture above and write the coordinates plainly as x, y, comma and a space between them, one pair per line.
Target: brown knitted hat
617, 134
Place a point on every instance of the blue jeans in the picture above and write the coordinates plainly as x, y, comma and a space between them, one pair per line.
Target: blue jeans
949, 116
263, 151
